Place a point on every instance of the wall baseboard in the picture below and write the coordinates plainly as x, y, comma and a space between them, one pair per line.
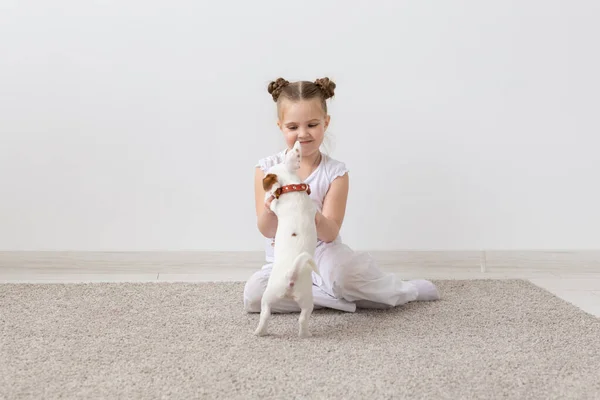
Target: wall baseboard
151, 261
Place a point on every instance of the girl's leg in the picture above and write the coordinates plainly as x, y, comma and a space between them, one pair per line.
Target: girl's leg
356, 277
256, 285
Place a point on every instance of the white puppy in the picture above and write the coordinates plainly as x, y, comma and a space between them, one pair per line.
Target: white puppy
295, 241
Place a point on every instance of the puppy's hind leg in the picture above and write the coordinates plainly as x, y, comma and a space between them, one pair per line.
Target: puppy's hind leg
265, 313
305, 301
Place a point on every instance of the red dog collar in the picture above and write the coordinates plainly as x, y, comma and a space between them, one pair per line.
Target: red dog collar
300, 187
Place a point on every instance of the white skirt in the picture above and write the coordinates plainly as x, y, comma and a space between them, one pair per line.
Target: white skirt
348, 280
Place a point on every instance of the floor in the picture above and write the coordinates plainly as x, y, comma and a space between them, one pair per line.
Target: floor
573, 276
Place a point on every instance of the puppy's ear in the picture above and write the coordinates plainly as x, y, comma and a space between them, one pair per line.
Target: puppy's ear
269, 181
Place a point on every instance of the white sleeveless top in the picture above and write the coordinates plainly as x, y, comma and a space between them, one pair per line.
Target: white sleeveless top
319, 182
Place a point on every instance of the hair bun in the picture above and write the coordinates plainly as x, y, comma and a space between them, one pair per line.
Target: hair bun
276, 87
327, 86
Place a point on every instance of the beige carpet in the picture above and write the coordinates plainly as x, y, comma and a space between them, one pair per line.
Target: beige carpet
485, 339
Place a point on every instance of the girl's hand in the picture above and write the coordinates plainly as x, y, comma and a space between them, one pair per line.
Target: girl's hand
268, 201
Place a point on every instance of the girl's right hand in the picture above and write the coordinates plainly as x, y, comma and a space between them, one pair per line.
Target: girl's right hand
268, 201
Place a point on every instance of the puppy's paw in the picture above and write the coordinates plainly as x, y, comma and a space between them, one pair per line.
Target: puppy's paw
260, 332
304, 333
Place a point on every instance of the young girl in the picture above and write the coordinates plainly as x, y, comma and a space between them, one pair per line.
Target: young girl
348, 279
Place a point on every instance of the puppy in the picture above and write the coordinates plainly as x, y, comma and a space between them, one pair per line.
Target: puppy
295, 241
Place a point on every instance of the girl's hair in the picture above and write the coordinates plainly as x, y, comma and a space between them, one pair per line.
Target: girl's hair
322, 89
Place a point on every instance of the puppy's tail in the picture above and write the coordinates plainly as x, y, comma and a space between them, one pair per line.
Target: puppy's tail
303, 260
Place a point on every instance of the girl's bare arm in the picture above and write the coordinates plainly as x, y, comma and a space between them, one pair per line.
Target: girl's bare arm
266, 220
329, 221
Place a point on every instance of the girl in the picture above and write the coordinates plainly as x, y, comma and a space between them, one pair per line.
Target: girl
348, 279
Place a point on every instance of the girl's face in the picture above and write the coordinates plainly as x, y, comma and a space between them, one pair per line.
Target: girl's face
304, 121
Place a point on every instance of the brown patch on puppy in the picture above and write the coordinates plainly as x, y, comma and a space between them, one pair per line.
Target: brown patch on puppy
269, 181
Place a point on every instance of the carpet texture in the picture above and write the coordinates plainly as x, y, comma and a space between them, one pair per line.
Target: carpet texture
485, 339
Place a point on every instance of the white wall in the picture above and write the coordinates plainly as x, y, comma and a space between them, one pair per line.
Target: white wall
135, 125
